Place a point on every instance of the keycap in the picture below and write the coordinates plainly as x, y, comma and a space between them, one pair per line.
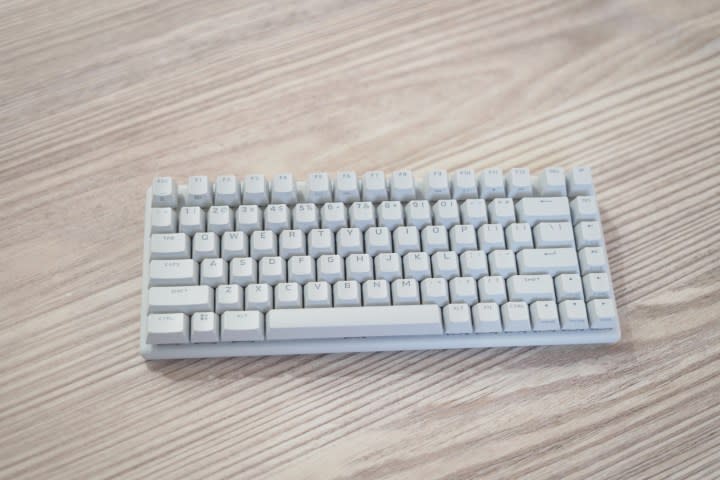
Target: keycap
263, 243
227, 191
362, 215
554, 235
568, 286
204, 327
588, 234
229, 297
349, 240
491, 236
516, 317
518, 183
164, 192
473, 212
163, 220
376, 292
301, 269
544, 316
288, 295
242, 327
292, 243
333, 216
445, 265
390, 215
188, 300
418, 214
530, 288
205, 245
255, 190
592, 260
464, 185
463, 290
551, 183
220, 219
446, 213
305, 217
492, 184
405, 291
437, 185
272, 270
551, 261
347, 294
533, 210
388, 266
284, 189
243, 271
486, 318
319, 188
167, 328
354, 322
434, 290
502, 263
378, 240
330, 268
579, 182
463, 238
259, 296
492, 289
602, 314
199, 192
406, 239
277, 218
457, 318
518, 236
374, 187
169, 246
573, 315
434, 239
317, 295
347, 189
234, 244
473, 263
584, 209
596, 285
213, 272
192, 220
502, 211
248, 218
359, 266
402, 186
320, 241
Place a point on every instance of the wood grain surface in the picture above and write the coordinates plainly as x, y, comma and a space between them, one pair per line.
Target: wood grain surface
98, 97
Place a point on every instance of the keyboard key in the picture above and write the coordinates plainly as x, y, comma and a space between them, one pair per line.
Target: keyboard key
317, 295
164, 192
592, 260
474, 264
417, 265
263, 243
167, 328
486, 318
227, 191
213, 272
378, 240
347, 189
568, 286
402, 186
319, 188
305, 217
405, 291
242, 327
457, 318
229, 297
272, 270
199, 192
234, 244
255, 190
205, 245
418, 214
243, 271
192, 220
445, 265
474, 212
348, 241
347, 294
359, 267
446, 213
292, 243
374, 187
518, 236
573, 315
248, 218
390, 215
554, 235
376, 292
492, 289
502, 211
354, 322
204, 327
259, 296
551, 261
463, 290
173, 272
320, 241
534, 210
579, 182
492, 184
516, 317
388, 266
434, 239
330, 268
602, 314
551, 183
333, 216
220, 219
530, 288
198, 298
163, 220
464, 185
169, 246
463, 238
588, 234
277, 218
544, 316
301, 269
502, 263
518, 183
362, 215
584, 209
437, 185
406, 239
288, 295
491, 236
596, 285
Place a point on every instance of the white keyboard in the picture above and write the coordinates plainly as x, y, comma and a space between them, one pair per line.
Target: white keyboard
371, 262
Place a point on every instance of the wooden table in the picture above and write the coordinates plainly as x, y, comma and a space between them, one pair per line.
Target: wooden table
96, 98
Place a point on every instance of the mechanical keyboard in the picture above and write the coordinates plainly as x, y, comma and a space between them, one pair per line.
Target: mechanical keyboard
373, 262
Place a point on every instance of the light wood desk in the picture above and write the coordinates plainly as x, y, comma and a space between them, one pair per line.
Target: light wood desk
96, 98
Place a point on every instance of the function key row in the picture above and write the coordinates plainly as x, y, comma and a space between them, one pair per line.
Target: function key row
373, 186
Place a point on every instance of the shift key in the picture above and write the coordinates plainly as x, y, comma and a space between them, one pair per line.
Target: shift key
186, 300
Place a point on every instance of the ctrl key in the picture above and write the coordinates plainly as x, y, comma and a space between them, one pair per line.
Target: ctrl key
167, 328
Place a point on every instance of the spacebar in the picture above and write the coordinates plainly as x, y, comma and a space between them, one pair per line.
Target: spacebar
343, 322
